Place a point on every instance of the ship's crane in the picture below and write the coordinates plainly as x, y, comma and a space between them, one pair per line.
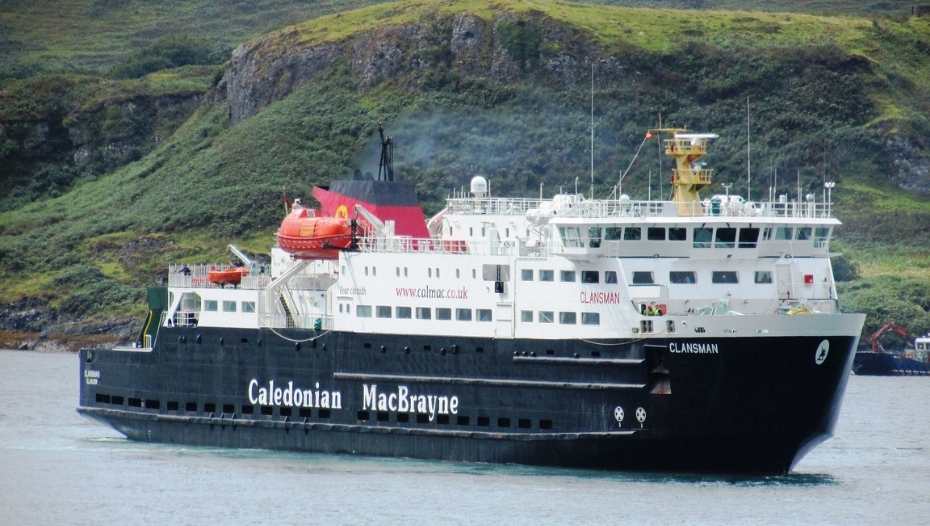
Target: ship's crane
890, 326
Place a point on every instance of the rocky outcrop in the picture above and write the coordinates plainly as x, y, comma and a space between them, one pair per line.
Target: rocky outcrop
43, 156
911, 165
502, 50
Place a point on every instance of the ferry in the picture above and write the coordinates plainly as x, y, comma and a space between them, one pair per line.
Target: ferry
688, 335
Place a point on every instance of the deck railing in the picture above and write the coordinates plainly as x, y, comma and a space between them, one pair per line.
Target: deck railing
605, 208
197, 276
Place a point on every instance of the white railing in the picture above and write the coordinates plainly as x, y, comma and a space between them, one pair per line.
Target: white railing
303, 321
441, 246
197, 276
599, 208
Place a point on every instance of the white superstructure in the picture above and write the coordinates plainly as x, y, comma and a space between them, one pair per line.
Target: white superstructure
561, 268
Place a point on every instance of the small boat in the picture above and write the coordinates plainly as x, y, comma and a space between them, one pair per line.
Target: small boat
308, 237
232, 276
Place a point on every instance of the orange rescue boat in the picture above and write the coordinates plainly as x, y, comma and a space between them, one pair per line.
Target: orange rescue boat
232, 276
307, 237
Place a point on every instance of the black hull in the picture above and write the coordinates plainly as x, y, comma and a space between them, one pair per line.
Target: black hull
755, 405
868, 363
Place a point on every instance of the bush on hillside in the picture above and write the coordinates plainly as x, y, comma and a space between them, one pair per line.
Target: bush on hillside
169, 52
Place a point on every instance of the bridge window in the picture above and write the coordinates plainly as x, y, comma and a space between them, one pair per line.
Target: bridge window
363, 311
567, 276
682, 277
210, 305
590, 276
784, 233
726, 238
571, 236
590, 318
404, 313
546, 275
748, 237
568, 318
677, 234
702, 237
594, 237
383, 311
463, 314
546, 316
632, 233
804, 233
643, 278
248, 306
229, 306
484, 314
443, 313
821, 235
424, 313
724, 276
610, 276
526, 274
655, 233
526, 316
767, 233
763, 276
613, 233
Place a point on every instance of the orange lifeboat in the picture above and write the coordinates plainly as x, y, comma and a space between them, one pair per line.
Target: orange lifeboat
308, 237
232, 276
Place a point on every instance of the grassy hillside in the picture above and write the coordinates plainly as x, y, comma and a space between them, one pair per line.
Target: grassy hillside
828, 93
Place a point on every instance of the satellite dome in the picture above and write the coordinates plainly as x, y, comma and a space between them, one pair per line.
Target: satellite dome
479, 186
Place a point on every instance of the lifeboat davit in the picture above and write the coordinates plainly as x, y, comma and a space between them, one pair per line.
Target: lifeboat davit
231, 276
307, 237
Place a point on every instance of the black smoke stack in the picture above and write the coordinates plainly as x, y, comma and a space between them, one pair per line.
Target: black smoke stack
386, 163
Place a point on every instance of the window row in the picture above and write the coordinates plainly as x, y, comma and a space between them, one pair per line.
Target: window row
228, 306
565, 318
687, 277
461, 420
211, 407
702, 237
568, 276
422, 313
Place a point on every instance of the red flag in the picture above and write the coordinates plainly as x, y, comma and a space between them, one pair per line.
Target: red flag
648, 135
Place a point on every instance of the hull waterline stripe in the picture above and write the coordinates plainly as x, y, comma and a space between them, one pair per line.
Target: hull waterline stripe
232, 421
363, 377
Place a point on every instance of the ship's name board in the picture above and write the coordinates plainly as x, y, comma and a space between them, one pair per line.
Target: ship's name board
402, 401
600, 297
293, 396
693, 348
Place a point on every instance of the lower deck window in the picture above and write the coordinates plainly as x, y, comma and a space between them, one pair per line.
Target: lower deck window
568, 318
484, 314
443, 314
763, 276
590, 318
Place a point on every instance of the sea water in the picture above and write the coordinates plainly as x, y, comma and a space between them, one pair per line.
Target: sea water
57, 468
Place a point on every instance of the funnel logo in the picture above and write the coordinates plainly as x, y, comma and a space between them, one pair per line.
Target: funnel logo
342, 211
822, 351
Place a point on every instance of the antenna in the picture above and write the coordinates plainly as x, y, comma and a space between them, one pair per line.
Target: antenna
649, 198
659, 142
748, 157
592, 133
799, 191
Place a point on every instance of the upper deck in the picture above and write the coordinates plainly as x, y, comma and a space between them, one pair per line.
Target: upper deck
576, 206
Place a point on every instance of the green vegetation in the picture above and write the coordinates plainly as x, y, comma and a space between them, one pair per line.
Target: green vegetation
840, 85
